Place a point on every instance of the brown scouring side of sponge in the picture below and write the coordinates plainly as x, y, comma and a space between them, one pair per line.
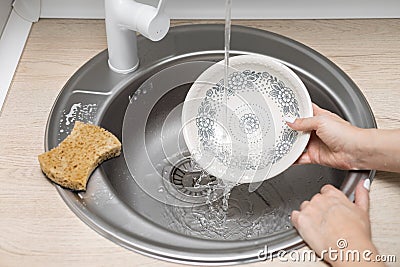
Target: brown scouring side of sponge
74, 159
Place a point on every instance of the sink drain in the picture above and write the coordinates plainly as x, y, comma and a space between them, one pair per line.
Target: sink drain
189, 180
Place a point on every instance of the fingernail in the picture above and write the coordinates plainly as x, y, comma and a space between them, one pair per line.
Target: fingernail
289, 119
367, 184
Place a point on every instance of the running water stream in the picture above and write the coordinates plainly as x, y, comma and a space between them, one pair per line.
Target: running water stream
224, 185
214, 218
219, 208
228, 24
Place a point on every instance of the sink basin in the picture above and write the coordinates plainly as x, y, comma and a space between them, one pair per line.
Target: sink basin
144, 200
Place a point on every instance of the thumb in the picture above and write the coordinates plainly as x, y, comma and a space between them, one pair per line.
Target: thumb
305, 124
362, 194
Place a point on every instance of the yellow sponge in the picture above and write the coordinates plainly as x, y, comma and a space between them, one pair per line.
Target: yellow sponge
74, 159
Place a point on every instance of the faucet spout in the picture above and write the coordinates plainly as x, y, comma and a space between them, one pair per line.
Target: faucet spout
123, 19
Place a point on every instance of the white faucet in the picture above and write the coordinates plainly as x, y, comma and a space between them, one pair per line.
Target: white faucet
123, 19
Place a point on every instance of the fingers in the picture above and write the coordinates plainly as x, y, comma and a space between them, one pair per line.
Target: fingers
317, 110
295, 218
362, 195
328, 188
310, 156
305, 124
304, 204
332, 194
303, 159
308, 124
310, 211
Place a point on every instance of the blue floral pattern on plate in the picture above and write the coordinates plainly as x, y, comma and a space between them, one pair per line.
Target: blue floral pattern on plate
249, 123
240, 81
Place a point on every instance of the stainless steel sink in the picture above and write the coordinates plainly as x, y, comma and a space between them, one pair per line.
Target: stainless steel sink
128, 205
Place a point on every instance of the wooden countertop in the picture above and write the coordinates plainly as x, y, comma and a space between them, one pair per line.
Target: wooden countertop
38, 229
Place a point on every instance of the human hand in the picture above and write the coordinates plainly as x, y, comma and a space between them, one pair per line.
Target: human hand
332, 141
330, 216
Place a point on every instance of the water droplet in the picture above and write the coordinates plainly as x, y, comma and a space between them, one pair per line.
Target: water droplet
161, 190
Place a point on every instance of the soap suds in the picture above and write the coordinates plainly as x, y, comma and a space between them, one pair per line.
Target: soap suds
78, 111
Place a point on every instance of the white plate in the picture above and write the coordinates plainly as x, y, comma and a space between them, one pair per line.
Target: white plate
249, 140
